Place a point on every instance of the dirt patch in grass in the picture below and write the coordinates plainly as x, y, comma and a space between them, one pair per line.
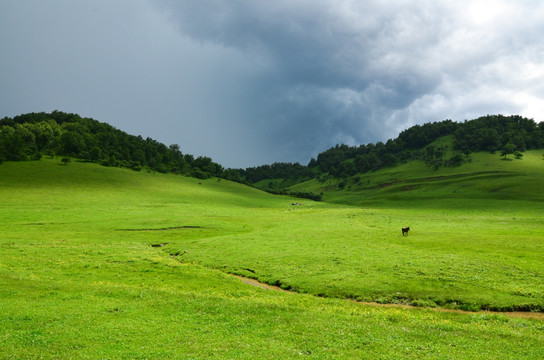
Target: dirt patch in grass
257, 283
384, 185
517, 314
409, 187
164, 229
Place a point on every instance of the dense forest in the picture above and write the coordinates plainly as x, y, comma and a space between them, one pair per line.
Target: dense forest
492, 133
31, 136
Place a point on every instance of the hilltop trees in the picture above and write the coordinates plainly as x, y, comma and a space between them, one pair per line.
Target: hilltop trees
493, 132
512, 134
28, 136
343, 160
276, 171
487, 133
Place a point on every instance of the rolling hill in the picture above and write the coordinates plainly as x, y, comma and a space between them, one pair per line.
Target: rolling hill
107, 262
486, 176
100, 262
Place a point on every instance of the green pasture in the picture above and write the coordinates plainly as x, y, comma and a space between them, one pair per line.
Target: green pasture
79, 277
471, 260
476, 241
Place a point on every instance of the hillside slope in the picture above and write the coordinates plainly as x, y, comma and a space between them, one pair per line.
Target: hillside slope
486, 176
444, 144
100, 262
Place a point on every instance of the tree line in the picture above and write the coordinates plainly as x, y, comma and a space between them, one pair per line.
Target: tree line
507, 134
30, 136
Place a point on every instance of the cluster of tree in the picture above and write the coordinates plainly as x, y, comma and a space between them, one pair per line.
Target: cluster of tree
493, 132
299, 194
508, 134
30, 136
434, 156
278, 171
344, 160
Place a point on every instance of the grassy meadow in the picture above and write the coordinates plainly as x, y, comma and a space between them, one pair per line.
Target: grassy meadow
80, 277
476, 241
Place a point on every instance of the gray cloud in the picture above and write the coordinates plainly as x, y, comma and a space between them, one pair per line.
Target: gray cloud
253, 82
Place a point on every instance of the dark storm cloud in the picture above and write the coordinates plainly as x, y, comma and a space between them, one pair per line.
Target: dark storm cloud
335, 70
253, 82
356, 72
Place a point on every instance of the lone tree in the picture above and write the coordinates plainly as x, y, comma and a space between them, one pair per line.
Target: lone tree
66, 160
509, 148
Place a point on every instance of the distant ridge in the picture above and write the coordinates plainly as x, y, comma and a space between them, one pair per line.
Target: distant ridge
491, 133
33, 135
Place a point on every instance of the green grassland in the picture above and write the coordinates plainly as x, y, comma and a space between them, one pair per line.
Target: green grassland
79, 277
476, 241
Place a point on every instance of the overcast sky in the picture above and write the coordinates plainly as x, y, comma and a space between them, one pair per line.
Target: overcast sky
250, 82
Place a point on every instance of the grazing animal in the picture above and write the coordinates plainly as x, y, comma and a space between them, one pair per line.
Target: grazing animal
405, 231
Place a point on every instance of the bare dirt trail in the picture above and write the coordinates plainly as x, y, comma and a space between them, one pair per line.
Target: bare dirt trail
517, 314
